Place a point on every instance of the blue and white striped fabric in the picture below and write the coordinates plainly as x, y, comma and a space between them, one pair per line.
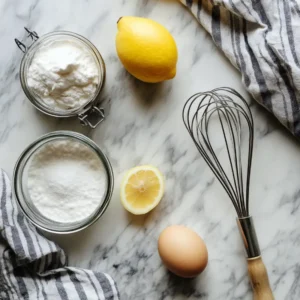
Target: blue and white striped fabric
32, 267
261, 38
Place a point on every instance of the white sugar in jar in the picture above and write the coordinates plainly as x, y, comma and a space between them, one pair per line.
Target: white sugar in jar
66, 181
63, 182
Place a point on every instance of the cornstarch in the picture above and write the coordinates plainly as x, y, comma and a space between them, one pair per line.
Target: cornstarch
64, 74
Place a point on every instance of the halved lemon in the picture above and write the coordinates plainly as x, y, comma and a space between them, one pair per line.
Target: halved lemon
142, 189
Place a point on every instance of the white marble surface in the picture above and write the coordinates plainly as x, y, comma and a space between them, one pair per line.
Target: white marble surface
144, 126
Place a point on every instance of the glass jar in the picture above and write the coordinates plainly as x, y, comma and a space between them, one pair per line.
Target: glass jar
89, 114
22, 196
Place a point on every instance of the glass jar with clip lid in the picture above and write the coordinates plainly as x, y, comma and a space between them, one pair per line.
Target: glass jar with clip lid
69, 89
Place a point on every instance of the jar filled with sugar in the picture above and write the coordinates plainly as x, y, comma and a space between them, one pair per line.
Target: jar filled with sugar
63, 182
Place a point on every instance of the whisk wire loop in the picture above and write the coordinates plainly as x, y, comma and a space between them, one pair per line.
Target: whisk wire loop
227, 115
216, 169
232, 112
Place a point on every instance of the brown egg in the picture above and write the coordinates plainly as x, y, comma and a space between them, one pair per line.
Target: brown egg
182, 251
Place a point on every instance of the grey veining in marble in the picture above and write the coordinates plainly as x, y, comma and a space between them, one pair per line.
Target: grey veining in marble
144, 126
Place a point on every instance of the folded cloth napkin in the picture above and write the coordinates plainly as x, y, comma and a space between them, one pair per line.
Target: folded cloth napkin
33, 267
261, 38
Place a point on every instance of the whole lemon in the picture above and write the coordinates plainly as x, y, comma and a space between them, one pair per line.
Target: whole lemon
146, 49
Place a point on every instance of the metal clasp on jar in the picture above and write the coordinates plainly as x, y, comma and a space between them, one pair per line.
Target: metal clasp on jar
92, 116
32, 34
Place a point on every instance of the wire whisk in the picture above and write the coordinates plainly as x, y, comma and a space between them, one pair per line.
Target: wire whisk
233, 116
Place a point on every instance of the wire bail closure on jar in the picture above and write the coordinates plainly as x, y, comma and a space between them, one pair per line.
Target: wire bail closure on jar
91, 115
34, 37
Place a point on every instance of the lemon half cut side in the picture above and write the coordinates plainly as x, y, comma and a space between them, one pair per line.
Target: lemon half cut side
142, 189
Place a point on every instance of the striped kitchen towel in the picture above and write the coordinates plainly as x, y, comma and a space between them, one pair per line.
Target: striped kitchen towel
261, 38
33, 267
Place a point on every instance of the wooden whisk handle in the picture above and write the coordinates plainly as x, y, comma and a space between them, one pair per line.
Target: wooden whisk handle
259, 279
256, 268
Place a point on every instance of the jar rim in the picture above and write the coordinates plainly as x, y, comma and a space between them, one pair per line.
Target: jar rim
20, 164
38, 104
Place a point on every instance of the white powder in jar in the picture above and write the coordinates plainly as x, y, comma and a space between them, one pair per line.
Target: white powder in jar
67, 181
64, 74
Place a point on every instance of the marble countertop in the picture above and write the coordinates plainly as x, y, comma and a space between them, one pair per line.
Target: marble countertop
144, 126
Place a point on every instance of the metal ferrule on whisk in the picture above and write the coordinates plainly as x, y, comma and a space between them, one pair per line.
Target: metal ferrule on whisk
249, 237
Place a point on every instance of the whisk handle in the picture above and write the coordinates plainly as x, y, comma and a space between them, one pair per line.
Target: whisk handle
259, 279
256, 268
